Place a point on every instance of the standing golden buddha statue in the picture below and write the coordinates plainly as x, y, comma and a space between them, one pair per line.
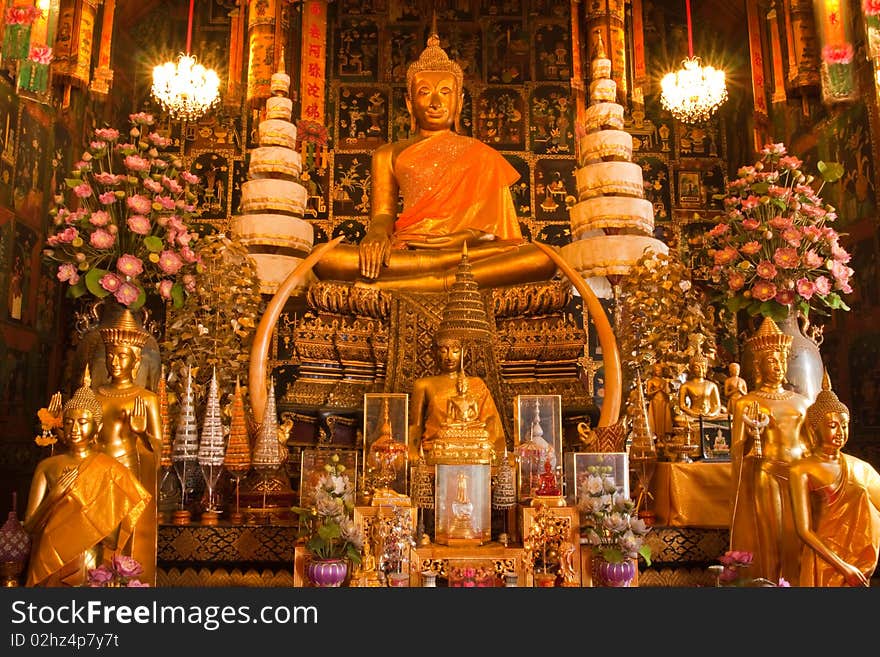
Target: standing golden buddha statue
836, 501
132, 429
767, 435
456, 190
83, 505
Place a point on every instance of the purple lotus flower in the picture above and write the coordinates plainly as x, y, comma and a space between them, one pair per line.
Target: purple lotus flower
126, 566
100, 576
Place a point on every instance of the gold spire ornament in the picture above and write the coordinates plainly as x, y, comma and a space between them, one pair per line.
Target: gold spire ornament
162, 392
464, 315
238, 450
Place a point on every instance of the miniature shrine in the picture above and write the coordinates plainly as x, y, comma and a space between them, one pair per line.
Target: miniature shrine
439, 294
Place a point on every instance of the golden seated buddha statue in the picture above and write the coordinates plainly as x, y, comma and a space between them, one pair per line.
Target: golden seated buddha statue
455, 189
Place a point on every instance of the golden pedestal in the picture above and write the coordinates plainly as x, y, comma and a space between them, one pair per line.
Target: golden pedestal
442, 560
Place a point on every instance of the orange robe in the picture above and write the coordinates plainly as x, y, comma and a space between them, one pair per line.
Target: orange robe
847, 522
105, 495
451, 183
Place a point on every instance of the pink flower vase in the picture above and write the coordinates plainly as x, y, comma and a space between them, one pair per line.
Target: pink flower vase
618, 575
326, 573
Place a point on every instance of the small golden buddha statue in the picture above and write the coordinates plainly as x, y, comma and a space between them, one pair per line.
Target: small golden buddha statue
836, 501
455, 191
657, 392
446, 399
698, 396
83, 505
132, 429
767, 436
462, 526
734, 385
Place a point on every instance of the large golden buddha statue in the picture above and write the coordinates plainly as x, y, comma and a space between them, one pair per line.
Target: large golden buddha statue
132, 429
767, 435
83, 505
836, 501
455, 191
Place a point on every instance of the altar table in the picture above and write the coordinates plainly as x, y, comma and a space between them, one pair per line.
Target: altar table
697, 494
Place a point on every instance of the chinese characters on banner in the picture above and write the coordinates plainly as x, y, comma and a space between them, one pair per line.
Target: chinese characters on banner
314, 54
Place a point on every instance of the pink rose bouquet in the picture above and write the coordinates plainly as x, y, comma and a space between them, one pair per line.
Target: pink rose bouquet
123, 229
775, 249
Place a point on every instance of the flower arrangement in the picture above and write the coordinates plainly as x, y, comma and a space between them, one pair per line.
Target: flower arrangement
127, 232
122, 572
871, 9
729, 571
837, 66
18, 21
609, 522
328, 527
543, 541
774, 249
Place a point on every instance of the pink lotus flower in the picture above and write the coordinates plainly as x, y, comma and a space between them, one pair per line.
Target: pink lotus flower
166, 202
136, 163
142, 118
170, 262
786, 258
719, 229
839, 253
792, 236
763, 290
725, 256
102, 239
139, 224
171, 185
785, 297
153, 185
127, 294
806, 288
67, 272
735, 281
189, 283
191, 178
781, 222
790, 162
68, 235
40, 54
164, 286
750, 202
812, 259
834, 54
129, 265
107, 134
750, 248
823, 286
139, 204
83, 190
99, 218
107, 198
136, 583
110, 282
158, 140
106, 178
751, 224
765, 269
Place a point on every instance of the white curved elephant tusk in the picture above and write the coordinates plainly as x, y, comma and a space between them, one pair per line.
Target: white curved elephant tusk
610, 353
263, 335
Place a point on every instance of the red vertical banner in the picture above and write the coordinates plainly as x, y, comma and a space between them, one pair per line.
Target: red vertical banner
313, 77
640, 71
756, 55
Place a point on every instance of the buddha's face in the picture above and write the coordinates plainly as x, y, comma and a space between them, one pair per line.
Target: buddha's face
733, 369
833, 430
658, 370
448, 355
79, 426
772, 367
698, 369
434, 100
122, 361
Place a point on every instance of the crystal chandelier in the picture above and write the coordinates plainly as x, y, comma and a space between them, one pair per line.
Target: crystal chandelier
693, 92
185, 89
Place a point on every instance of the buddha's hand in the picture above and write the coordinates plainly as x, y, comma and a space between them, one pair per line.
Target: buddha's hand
452, 240
137, 420
854, 576
373, 252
